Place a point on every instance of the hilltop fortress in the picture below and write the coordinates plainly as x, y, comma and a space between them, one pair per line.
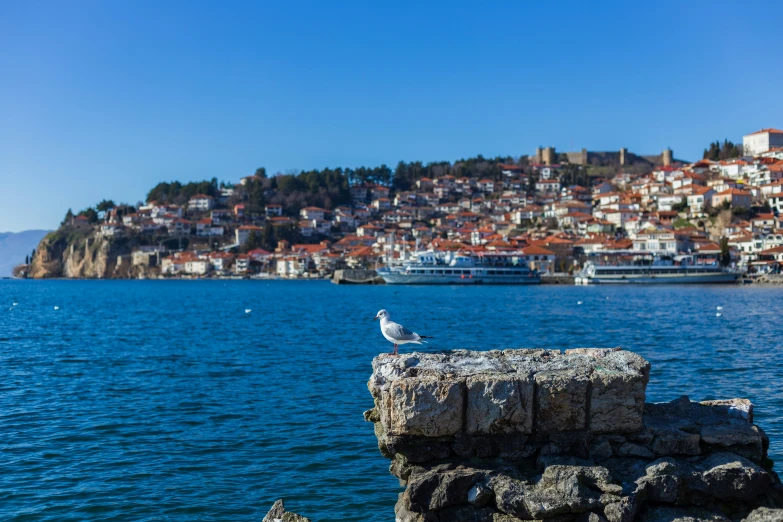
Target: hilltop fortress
549, 156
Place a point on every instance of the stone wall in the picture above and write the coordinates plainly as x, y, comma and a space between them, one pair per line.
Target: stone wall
514, 435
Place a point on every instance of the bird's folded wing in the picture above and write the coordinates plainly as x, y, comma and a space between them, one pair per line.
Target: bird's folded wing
399, 332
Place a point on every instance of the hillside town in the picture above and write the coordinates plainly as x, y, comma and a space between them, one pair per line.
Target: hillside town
730, 207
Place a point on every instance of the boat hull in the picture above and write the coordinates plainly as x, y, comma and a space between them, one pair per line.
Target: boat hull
665, 279
412, 279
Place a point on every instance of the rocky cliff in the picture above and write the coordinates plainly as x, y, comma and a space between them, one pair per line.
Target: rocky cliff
512, 435
78, 253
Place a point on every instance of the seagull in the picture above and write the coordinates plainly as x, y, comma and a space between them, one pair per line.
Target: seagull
719, 308
718, 314
579, 302
397, 333
248, 310
56, 307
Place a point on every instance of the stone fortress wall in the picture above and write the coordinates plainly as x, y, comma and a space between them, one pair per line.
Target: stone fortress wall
549, 156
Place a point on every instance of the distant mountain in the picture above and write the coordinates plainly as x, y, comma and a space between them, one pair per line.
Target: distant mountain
14, 246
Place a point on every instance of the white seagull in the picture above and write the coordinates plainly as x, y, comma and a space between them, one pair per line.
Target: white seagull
397, 333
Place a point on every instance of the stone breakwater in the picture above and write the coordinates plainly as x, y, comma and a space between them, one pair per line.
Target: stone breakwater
511, 435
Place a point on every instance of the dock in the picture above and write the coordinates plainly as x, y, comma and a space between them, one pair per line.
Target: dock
357, 277
557, 279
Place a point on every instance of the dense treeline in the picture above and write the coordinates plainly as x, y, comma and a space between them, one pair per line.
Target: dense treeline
406, 174
574, 175
326, 188
179, 194
270, 235
718, 152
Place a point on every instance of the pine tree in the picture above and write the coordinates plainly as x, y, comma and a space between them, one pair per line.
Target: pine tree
68, 218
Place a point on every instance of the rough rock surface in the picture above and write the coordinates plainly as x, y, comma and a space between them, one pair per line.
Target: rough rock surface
513, 435
279, 514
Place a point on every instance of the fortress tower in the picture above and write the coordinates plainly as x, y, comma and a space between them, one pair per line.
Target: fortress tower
666, 157
550, 156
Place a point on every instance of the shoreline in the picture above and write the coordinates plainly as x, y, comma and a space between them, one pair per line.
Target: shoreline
740, 283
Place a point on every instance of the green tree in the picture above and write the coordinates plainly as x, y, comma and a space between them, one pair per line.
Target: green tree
253, 241
105, 205
718, 151
91, 214
261, 172
68, 218
725, 254
268, 237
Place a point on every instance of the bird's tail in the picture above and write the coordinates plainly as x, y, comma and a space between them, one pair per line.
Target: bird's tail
426, 337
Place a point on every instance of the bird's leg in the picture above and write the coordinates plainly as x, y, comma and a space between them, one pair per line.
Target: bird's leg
395, 349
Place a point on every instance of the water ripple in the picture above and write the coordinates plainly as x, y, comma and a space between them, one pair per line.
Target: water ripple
163, 400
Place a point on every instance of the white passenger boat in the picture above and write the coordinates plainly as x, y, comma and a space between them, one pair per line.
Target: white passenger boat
438, 268
629, 267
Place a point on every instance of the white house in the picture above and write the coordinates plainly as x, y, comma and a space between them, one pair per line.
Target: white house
666, 201
547, 186
197, 266
111, 229
699, 197
306, 227
243, 233
290, 266
656, 241
273, 210
486, 185
312, 213
201, 202
241, 264
762, 141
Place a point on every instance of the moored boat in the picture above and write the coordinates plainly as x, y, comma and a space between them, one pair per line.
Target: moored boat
432, 268
630, 267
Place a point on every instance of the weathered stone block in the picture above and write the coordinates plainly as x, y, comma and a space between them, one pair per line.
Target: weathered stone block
499, 404
562, 401
669, 441
764, 514
730, 434
736, 408
426, 407
619, 380
616, 402
630, 449
726, 476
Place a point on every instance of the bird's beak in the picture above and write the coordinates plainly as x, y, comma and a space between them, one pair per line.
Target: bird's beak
376, 318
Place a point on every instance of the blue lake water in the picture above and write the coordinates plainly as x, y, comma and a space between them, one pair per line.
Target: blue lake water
164, 400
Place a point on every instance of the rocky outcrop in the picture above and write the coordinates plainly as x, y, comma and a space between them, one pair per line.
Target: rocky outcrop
78, 253
542, 435
279, 514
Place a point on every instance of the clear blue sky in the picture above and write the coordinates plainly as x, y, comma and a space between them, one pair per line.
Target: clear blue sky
103, 99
